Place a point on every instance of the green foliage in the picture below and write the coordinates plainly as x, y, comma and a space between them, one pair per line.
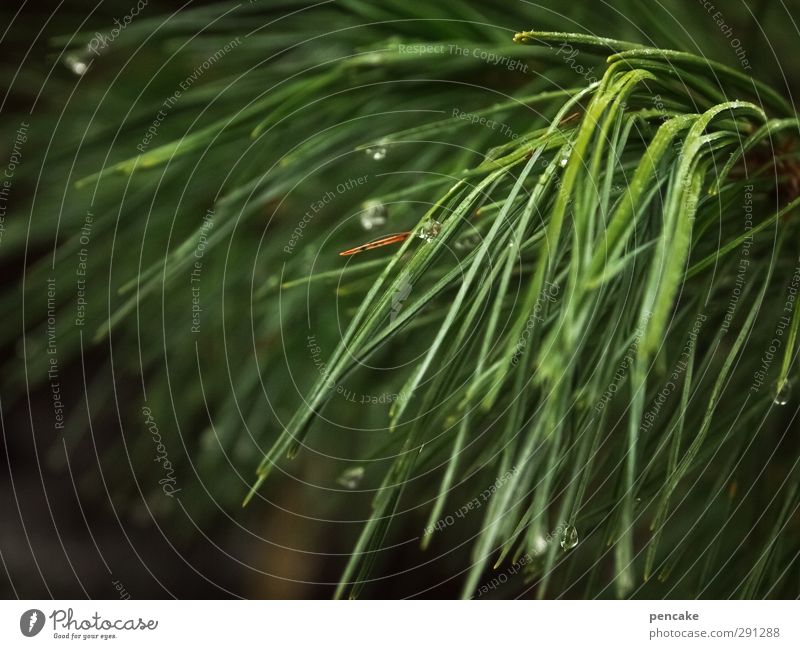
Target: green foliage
578, 337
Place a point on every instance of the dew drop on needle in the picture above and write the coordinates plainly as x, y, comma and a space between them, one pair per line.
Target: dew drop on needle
76, 65
782, 392
373, 215
569, 538
430, 230
377, 153
565, 154
351, 478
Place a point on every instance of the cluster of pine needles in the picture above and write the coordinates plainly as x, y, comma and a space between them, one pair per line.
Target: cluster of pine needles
593, 322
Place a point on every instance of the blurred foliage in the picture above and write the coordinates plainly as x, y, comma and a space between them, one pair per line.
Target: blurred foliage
221, 155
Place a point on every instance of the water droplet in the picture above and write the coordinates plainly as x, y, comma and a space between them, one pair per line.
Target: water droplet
351, 478
430, 230
566, 152
377, 153
373, 215
76, 65
569, 538
782, 392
